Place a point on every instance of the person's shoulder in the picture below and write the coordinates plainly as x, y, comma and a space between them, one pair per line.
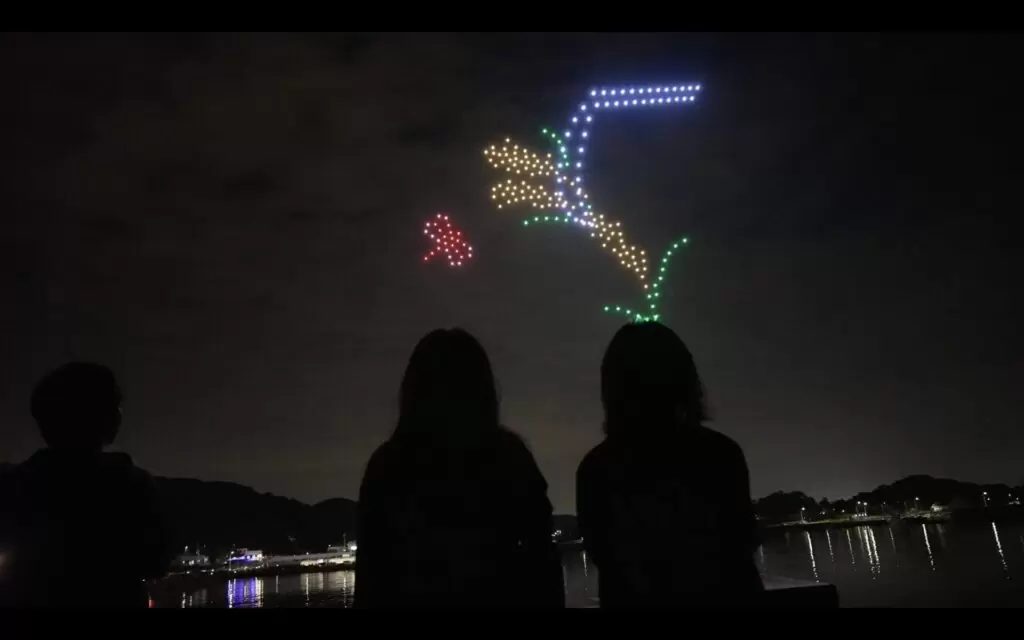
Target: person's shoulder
719, 444
513, 447
511, 440
516, 457
122, 463
121, 471
594, 459
381, 456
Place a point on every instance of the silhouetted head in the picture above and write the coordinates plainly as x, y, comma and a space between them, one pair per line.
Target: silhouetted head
448, 387
649, 382
78, 406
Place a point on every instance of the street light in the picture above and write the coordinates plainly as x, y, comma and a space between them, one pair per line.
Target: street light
984, 498
803, 510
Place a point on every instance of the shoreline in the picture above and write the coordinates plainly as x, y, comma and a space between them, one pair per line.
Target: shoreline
170, 587
1011, 515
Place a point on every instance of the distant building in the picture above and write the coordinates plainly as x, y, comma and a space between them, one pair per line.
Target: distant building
335, 555
240, 557
192, 560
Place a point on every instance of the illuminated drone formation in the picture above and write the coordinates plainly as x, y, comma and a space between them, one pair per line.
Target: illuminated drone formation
448, 241
560, 190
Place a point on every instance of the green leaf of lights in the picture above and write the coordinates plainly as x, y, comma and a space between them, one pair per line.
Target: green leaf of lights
550, 219
560, 148
629, 313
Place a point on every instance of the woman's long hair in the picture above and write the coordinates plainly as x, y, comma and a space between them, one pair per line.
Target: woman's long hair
448, 389
649, 382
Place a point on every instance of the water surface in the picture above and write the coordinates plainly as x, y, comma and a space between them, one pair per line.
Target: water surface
918, 565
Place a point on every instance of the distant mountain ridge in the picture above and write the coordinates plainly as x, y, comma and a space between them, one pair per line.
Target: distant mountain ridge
222, 515
917, 492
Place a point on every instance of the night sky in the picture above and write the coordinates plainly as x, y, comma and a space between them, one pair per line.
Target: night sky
234, 224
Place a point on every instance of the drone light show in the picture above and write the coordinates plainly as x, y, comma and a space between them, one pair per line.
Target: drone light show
448, 241
554, 183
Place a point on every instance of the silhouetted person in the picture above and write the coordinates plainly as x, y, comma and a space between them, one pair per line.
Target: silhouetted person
663, 502
453, 511
80, 526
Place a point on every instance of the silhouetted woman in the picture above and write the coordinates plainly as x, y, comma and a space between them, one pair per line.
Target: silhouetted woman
663, 502
453, 511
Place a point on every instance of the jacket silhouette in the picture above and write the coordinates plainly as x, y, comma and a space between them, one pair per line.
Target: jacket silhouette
73, 515
78, 519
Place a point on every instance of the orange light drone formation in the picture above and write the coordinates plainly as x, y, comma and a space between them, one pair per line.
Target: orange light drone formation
553, 183
448, 241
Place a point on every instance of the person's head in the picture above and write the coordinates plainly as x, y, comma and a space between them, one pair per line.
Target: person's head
649, 382
448, 387
78, 406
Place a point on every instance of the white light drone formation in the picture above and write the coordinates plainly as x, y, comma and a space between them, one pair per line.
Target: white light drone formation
555, 184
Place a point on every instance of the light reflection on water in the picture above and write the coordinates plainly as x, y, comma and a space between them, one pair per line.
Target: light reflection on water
928, 545
923, 565
810, 551
999, 548
318, 589
932, 564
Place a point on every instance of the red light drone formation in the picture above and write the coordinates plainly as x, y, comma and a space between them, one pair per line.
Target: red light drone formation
564, 198
448, 241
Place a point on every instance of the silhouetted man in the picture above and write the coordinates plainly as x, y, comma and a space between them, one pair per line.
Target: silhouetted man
80, 526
